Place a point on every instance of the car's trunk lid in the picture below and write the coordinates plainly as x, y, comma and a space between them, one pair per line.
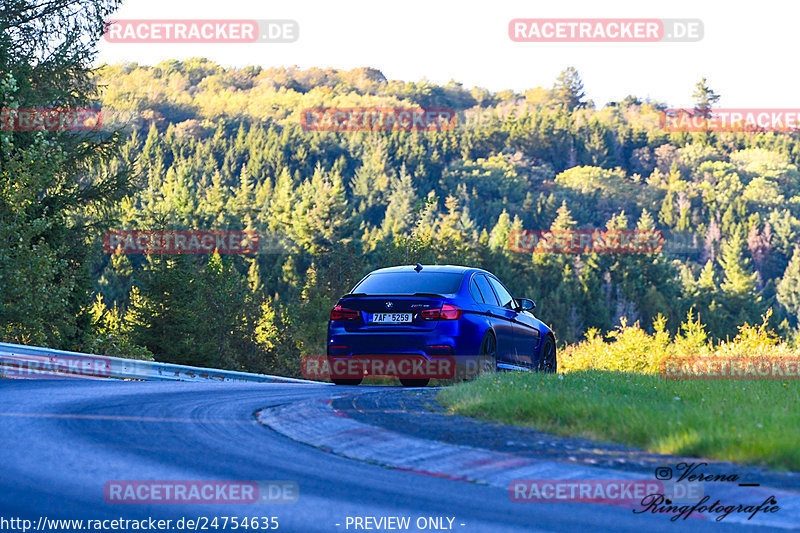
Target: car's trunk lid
387, 312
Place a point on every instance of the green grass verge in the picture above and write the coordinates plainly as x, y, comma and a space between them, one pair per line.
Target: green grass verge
754, 421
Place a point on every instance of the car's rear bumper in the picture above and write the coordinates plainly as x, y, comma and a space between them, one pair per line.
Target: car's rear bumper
450, 350
430, 343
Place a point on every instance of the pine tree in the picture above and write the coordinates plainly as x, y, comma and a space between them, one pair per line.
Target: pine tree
707, 281
568, 89
450, 235
563, 220
646, 221
215, 199
400, 211
619, 221
243, 204
221, 310
739, 301
162, 311
284, 201
153, 156
739, 279
371, 182
322, 218
498, 238
46, 192
789, 288
704, 98
667, 213
263, 199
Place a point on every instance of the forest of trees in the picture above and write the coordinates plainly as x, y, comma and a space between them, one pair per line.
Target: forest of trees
196, 145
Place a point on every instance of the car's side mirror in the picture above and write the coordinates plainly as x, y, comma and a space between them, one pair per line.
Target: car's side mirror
525, 304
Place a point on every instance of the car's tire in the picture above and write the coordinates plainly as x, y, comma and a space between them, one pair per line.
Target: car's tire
548, 362
414, 382
487, 360
346, 381
341, 379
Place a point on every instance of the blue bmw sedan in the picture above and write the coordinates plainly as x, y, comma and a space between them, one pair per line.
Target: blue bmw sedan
461, 314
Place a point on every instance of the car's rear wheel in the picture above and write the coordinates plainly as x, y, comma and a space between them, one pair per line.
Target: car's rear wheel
548, 363
488, 356
414, 382
341, 378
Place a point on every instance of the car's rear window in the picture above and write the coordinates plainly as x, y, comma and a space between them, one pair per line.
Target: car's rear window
410, 282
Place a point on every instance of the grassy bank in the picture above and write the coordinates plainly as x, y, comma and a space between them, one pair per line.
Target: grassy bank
612, 391
745, 421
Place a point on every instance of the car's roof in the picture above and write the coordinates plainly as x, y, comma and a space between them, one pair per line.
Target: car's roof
456, 269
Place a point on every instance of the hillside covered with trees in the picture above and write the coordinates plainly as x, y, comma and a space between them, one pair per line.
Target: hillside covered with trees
202, 146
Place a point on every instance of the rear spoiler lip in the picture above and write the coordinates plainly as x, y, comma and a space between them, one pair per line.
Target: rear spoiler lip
423, 294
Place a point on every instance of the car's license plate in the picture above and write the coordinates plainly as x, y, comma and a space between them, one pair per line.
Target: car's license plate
391, 318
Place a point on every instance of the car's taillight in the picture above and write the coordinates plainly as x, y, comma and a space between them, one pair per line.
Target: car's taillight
342, 313
446, 312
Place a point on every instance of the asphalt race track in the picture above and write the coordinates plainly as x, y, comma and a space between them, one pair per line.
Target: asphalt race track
62, 441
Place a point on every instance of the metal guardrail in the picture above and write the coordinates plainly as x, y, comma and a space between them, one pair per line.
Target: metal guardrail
18, 361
